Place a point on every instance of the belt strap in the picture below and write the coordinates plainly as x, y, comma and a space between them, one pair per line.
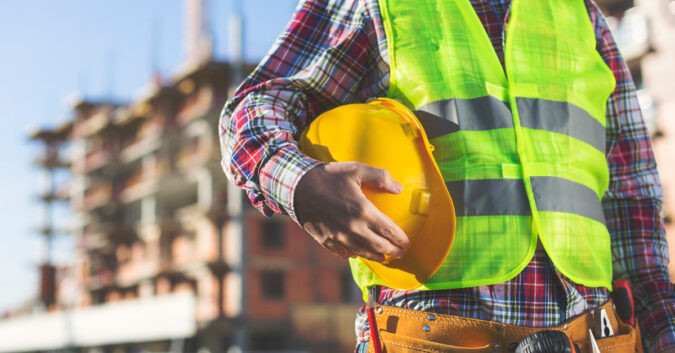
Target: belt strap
409, 331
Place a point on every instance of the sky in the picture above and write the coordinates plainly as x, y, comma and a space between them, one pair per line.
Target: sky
50, 50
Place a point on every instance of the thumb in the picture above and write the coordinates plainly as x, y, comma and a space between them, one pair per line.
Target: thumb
379, 179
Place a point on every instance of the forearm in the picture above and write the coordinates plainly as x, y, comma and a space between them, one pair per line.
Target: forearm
641, 255
327, 56
639, 248
632, 207
259, 150
632, 202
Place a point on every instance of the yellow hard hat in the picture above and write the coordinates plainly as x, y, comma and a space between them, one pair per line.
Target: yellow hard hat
385, 134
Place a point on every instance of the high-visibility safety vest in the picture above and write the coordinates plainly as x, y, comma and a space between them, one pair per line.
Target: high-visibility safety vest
521, 148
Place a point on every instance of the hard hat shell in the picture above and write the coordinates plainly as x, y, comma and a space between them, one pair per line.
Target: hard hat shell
385, 134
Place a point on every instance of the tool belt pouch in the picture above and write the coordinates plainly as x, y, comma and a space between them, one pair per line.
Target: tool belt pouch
625, 341
410, 331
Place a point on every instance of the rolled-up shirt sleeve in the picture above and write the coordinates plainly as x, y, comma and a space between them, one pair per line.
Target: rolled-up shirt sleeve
327, 56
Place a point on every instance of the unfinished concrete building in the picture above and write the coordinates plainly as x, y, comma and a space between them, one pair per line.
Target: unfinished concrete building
169, 256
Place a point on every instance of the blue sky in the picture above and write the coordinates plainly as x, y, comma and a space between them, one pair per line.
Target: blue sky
52, 49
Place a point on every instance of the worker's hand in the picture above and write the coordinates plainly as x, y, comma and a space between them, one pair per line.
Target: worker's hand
331, 207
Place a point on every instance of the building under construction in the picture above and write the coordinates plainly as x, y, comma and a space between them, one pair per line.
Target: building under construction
169, 256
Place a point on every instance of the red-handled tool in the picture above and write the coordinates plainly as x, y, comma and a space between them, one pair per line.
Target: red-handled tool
370, 310
623, 300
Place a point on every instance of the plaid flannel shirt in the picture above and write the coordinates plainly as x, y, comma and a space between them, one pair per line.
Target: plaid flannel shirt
334, 52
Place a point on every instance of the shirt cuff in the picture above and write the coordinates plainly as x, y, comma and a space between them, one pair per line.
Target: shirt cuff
280, 176
665, 338
660, 331
664, 342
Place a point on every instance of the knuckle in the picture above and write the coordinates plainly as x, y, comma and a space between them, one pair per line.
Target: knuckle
389, 234
351, 167
379, 247
330, 240
382, 230
383, 178
355, 211
310, 228
327, 242
395, 237
354, 225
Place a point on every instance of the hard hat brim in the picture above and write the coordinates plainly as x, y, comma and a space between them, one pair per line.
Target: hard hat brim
430, 247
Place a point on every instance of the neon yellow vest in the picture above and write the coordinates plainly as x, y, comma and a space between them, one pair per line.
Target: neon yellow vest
522, 150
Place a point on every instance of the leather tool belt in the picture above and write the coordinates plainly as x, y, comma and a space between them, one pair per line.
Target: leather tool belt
409, 331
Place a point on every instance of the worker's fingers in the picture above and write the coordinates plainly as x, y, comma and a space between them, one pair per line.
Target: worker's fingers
383, 226
333, 208
358, 247
377, 178
377, 242
338, 249
343, 243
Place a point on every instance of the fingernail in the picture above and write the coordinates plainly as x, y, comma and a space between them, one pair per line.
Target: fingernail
398, 186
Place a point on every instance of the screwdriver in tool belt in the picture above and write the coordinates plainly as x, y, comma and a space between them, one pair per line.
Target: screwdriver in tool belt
372, 322
594, 344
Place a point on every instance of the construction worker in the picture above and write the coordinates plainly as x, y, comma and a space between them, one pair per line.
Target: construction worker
551, 64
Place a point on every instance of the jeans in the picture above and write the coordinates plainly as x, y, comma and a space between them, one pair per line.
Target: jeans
361, 347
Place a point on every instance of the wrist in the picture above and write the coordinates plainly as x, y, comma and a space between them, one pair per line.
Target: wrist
280, 175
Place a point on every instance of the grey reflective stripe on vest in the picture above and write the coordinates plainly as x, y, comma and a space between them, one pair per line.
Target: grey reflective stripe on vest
476, 114
557, 194
563, 118
486, 113
503, 197
489, 197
